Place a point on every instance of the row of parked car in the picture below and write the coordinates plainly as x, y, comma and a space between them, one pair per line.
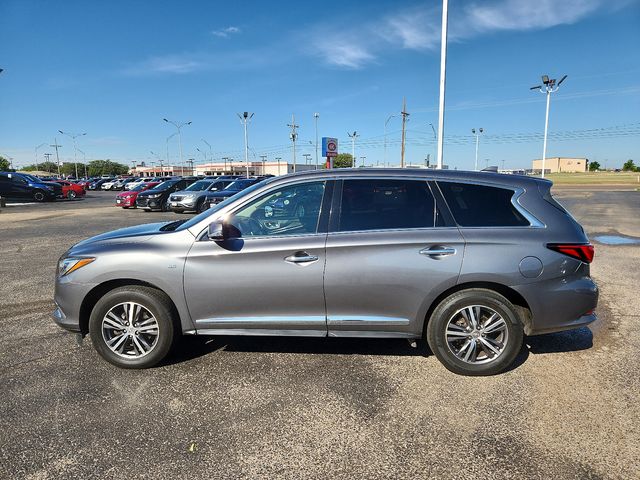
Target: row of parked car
24, 186
189, 194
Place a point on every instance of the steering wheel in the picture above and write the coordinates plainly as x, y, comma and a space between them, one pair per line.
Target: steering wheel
249, 226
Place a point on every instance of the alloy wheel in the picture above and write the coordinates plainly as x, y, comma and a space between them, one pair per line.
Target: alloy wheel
130, 330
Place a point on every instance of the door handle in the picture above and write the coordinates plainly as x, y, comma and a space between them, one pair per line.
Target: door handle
438, 251
301, 257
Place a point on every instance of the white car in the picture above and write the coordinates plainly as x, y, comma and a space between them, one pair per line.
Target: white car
108, 185
132, 185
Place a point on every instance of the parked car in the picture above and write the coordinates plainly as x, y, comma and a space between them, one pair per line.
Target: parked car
131, 185
157, 198
71, 190
97, 184
127, 199
471, 261
25, 186
109, 185
192, 198
213, 198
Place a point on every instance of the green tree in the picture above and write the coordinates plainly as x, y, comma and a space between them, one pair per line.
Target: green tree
343, 160
50, 167
105, 167
4, 164
594, 166
629, 166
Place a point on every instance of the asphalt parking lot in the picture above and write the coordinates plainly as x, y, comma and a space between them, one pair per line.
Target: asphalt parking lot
228, 407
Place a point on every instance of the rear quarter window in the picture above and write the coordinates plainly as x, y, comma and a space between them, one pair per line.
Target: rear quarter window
481, 205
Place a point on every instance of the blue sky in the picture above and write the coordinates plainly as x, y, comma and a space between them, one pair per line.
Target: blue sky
115, 69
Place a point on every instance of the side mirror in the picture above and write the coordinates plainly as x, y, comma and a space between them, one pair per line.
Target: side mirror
216, 231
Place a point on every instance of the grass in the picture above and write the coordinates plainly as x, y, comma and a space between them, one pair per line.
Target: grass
595, 178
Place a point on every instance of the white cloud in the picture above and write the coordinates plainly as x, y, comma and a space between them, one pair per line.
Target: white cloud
418, 28
225, 32
173, 63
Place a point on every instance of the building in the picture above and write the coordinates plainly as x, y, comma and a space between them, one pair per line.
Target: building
561, 164
255, 168
157, 171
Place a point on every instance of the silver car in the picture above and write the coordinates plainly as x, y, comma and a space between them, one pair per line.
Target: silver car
469, 261
192, 197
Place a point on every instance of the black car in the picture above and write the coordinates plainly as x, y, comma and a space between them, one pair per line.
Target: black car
97, 185
157, 198
24, 186
213, 198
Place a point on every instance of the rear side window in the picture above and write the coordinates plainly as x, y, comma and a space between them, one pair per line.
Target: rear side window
380, 204
481, 205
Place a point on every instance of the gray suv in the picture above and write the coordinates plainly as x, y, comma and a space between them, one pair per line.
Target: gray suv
470, 261
192, 197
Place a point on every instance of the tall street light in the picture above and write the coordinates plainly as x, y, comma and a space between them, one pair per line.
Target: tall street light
37, 148
75, 148
353, 137
477, 134
178, 126
549, 86
385, 139
169, 138
443, 77
84, 161
316, 116
210, 151
245, 118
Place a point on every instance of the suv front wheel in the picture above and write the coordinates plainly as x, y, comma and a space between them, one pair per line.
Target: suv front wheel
475, 332
133, 326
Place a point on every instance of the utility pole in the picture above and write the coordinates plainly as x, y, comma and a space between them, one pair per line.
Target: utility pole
477, 134
293, 136
306, 158
224, 159
502, 165
385, 139
244, 119
316, 116
443, 78
56, 146
47, 156
264, 159
548, 87
278, 160
84, 161
75, 147
363, 159
353, 147
404, 122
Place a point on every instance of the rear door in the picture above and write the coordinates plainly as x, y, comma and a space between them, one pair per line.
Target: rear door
391, 250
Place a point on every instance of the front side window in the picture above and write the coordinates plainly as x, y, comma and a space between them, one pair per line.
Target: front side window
481, 205
381, 204
291, 210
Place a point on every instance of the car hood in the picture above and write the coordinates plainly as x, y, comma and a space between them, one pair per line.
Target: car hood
223, 193
136, 234
190, 192
144, 193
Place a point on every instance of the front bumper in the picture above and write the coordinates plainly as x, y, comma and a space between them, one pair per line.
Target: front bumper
152, 203
63, 321
124, 202
68, 296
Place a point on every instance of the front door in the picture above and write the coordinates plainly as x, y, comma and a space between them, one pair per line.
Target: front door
390, 253
266, 279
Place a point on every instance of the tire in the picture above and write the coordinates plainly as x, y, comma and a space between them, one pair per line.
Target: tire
39, 196
166, 206
156, 318
486, 350
200, 206
71, 194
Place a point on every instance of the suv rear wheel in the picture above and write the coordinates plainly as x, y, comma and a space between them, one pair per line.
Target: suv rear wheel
39, 196
133, 327
475, 332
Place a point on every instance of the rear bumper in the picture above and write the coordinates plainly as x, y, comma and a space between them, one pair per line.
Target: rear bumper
560, 304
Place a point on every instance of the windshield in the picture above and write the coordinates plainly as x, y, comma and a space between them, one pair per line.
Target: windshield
165, 185
239, 184
198, 218
31, 178
198, 186
138, 188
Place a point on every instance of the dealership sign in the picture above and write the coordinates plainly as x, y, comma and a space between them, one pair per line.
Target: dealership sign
329, 147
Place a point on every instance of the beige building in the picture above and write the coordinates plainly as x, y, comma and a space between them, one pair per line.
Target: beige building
562, 164
255, 168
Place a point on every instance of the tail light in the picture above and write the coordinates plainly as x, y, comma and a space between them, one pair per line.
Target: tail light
580, 251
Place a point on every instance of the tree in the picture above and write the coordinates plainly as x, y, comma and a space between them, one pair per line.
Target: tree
105, 167
50, 167
343, 160
4, 164
629, 166
594, 166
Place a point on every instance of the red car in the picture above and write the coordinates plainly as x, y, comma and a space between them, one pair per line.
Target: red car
127, 198
71, 190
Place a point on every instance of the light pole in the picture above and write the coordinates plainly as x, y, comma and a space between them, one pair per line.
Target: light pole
477, 134
443, 78
210, 150
353, 147
75, 148
84, 161
384, 163
293, 136
169, 138
316, 116
37, 148
363, 159
245, 117
306, 158
548, 86
178, 126
278, 160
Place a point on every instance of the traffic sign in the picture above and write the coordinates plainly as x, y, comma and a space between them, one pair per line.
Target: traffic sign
329, 147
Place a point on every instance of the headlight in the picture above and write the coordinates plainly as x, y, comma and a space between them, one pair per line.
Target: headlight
188, 197
69, 264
